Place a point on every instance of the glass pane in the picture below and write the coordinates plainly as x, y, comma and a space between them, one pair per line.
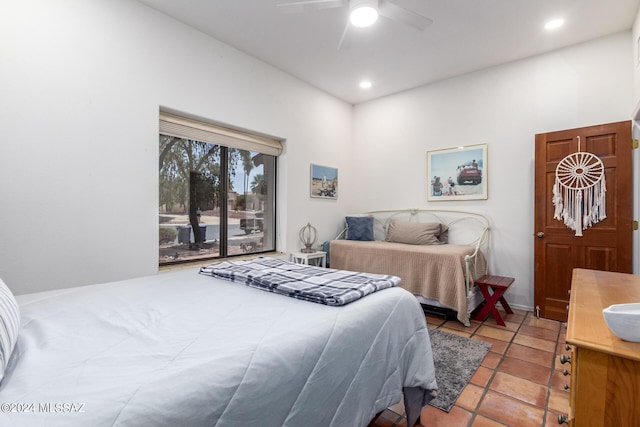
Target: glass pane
189, 200
251, 202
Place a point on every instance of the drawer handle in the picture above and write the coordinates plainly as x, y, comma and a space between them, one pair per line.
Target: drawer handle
565, 372
565, 359
566, 386
567, 347
563, 419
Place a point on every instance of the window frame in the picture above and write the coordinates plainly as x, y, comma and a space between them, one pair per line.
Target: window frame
226, 138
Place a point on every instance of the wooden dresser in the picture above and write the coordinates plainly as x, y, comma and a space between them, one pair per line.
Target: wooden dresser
605, 370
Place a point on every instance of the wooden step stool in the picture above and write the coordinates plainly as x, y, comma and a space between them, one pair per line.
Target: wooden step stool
498, 286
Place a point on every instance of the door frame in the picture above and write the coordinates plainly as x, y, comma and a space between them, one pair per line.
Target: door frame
635, 134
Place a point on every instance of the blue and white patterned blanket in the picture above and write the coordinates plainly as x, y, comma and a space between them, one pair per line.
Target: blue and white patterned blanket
321, 285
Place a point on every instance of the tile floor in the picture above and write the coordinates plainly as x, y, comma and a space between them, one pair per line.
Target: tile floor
520, 382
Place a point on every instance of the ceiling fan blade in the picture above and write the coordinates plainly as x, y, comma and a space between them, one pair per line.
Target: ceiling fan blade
406, 16
342, 44
301, 6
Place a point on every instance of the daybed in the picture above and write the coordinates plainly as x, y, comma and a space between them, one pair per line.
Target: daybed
183, 348
436, 253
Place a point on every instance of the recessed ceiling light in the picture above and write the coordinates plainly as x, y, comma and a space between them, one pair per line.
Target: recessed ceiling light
365, 84
554, 24
363, 12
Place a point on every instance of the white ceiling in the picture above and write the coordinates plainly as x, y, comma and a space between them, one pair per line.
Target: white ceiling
466, 35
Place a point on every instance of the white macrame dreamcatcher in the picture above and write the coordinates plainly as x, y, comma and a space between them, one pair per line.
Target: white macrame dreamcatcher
579, 191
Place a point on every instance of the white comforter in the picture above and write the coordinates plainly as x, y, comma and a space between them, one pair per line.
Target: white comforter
182, 349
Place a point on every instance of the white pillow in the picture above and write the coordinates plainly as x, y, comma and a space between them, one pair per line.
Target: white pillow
9, 325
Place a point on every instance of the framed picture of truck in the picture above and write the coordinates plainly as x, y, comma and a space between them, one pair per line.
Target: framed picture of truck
458, 173
324, 182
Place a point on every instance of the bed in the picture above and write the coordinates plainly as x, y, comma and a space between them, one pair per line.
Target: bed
436, 253
183, 348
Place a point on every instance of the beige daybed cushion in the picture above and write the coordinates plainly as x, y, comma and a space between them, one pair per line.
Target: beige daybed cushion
436, 272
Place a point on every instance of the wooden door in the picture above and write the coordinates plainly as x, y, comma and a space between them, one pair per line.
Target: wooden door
605, 246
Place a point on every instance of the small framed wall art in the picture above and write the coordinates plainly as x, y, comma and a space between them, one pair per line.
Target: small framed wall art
324, 182
458, 173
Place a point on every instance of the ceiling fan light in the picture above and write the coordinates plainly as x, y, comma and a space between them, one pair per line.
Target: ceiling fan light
363, 16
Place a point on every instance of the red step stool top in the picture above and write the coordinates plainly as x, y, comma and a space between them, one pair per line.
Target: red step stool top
497, 281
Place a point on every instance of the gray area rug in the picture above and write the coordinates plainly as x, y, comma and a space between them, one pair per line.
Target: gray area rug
456, 359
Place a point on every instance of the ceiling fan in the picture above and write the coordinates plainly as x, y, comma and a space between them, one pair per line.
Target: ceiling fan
362, 13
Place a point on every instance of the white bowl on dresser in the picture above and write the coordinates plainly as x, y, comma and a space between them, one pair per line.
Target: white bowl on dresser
624, 320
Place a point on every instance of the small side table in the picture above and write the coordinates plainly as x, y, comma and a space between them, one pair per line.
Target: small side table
317, 257
498, 286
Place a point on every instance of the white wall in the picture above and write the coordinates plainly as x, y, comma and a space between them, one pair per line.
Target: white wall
81, 84
635, 55
504, 107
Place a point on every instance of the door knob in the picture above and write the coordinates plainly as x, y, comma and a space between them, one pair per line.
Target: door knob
540, 234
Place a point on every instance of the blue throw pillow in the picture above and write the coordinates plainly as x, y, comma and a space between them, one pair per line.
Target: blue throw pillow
359, 227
